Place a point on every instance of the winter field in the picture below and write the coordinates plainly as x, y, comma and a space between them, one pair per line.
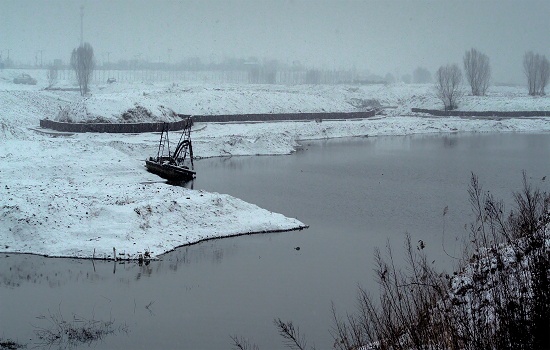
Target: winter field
81, 195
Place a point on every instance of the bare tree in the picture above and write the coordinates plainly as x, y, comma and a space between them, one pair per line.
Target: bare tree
83, 63
543, 74
478, 71
52, 75
537, 70
448, 85
291, 334
241, 343
530, 67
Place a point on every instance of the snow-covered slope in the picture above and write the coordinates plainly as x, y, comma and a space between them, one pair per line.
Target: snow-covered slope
68, 195
77, 197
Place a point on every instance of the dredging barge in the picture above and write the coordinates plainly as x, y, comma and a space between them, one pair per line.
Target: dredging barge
176, 166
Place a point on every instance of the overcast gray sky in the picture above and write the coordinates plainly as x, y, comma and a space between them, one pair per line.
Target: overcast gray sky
382, 36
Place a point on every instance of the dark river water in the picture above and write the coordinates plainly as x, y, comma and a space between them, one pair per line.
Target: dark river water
356, 195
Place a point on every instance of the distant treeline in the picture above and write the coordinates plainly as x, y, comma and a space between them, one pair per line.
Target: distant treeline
254, 75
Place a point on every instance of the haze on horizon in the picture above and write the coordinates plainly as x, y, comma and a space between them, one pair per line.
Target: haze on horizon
394, 36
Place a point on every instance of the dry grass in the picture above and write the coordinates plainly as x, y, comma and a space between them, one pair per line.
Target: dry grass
498, 299
78, 330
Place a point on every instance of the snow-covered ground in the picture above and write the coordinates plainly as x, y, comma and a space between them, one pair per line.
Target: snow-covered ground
71, 195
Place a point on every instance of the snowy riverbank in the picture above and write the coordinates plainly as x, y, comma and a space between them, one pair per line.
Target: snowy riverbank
84, 194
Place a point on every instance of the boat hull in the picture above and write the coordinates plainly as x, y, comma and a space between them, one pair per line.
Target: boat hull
170, 172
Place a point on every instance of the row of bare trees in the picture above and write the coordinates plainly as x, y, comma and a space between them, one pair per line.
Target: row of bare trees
448, 79
478, 74
477, 69
537, 70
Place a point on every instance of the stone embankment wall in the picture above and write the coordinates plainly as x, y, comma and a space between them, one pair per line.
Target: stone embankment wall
111, 128
495, 114
279, 117
179, 125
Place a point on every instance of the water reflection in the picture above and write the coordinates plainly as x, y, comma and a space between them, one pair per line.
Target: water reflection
19, 269
450, 141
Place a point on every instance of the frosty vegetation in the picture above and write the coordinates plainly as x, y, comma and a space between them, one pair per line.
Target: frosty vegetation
499, 298
82, 111
71, 333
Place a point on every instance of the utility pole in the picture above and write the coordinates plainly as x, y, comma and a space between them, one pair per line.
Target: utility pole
108, 54
81, 25
41, 57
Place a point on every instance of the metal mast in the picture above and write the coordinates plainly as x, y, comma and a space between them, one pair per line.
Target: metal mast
81, 25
